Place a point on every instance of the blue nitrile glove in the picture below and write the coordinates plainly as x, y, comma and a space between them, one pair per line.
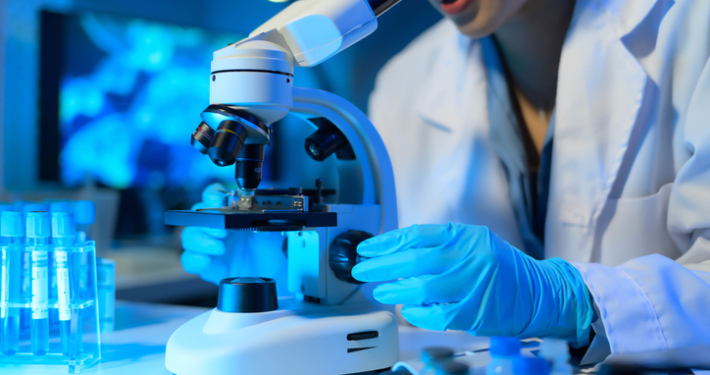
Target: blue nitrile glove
216, 254
464, 277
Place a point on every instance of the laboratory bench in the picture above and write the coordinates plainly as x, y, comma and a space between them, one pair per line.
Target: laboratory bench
137, 345
155, 274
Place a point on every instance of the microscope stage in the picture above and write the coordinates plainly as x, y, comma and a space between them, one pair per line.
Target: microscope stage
252, 221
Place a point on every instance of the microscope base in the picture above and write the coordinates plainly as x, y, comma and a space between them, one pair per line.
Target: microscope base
316, 340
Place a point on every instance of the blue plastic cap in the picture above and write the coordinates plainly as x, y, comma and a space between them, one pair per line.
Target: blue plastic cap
63, 225
7, 207
20, 205
530, 366
60, 207
450, 367
84, 212
37, 207
38, 224
432, 354
11, 224
504, 346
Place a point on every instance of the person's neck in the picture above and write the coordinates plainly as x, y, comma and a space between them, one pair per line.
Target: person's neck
531, 45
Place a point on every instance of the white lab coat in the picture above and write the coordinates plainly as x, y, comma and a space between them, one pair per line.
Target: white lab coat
630, 167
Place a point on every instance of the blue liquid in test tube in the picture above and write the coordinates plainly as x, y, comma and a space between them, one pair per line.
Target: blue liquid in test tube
63, 230
12, 232
38, 231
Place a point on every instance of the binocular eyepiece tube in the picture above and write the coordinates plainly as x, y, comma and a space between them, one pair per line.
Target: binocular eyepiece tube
379, 7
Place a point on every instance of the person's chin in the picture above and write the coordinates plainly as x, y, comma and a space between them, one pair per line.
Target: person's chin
474, 29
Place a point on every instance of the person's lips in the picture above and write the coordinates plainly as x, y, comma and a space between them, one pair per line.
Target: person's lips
454, 6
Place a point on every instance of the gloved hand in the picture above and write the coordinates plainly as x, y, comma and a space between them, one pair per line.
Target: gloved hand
464, 277
216, 254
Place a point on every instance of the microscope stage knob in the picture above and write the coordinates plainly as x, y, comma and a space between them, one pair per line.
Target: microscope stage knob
344, 256
247, 295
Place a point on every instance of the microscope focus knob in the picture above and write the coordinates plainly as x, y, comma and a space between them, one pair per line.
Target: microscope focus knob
343, 254
247, 295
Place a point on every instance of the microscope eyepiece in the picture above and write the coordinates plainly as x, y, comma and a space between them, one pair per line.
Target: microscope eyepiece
379, 7
249, 166
202, 138
328, 140
228, 142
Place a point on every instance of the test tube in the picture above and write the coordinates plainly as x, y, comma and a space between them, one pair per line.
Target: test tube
63, 231
20, 205
84, 215
38, 231
106, 289
12, 233
26, 273
61, 206
54, 321
4, 257
35, 207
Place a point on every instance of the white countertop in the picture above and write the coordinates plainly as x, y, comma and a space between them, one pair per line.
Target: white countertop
137, 346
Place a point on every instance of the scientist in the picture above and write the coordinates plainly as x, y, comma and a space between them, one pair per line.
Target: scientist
574, 131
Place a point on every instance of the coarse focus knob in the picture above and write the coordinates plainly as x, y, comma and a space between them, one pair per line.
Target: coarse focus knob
247, 295
344, 256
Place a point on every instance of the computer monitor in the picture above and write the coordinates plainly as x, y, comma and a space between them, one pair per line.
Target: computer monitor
120, 97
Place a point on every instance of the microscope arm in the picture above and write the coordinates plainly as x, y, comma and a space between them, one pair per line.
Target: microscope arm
375, 181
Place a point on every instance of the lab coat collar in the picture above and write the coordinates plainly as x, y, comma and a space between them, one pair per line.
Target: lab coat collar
626, 15
599, 97
441, 101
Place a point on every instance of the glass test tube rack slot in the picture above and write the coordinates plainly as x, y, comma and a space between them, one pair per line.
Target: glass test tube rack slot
63, 299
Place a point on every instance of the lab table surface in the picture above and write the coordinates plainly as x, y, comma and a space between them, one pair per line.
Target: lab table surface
137, 346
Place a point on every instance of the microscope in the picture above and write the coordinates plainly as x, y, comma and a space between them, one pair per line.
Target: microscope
332, 325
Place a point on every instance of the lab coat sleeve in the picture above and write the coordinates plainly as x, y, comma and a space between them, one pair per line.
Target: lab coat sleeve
648, 304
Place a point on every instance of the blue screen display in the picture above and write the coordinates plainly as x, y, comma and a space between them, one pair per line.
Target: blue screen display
131, 92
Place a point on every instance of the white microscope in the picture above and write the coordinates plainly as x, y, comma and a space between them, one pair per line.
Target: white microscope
332, 326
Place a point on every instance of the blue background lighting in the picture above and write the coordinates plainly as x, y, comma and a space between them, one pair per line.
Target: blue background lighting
131, 94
